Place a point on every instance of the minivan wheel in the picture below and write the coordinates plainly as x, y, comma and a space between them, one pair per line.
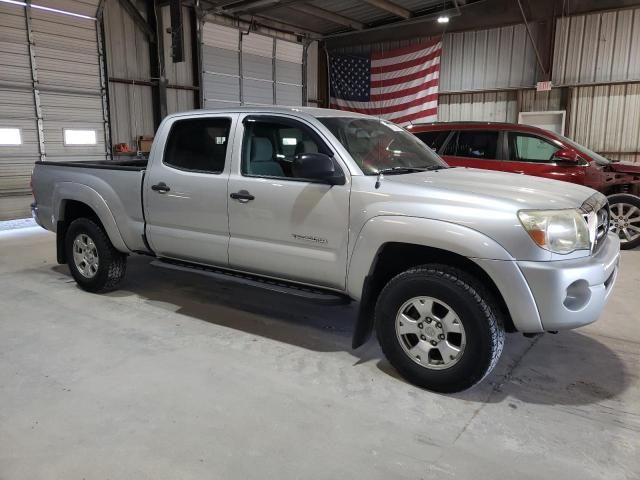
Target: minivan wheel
439, 328
625, 219
94, 262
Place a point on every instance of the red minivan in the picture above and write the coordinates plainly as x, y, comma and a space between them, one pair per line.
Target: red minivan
511, 147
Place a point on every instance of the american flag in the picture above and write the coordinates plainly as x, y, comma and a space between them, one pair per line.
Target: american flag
398, 85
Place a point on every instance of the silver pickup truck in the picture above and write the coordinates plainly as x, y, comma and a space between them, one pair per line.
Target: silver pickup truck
443, 261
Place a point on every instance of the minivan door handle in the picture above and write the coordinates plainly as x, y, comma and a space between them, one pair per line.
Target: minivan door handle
243, 196
160, 187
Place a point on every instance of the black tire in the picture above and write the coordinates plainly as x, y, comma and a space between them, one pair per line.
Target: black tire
628, 199
111, 262
476, 309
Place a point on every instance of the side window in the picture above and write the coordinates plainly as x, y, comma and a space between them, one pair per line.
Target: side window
452, 145
433, 140
198, 144
530, 148
477, 144
269, 147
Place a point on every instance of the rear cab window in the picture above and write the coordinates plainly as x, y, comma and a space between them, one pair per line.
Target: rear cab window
198, 144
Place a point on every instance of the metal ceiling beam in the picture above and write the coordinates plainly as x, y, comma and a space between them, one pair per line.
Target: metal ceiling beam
271, 22
327, 15
533, 41
451, 13
240, 7
390, 7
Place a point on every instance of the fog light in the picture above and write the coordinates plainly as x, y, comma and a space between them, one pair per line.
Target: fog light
578, 295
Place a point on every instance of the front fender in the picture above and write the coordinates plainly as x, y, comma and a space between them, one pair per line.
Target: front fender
447, 236
87, 195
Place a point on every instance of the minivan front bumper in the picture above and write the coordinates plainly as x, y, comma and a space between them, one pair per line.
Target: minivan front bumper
556, 295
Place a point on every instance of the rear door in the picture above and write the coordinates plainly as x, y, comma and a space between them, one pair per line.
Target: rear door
186, 190
280, 225
474, 148
533, 154
434, 139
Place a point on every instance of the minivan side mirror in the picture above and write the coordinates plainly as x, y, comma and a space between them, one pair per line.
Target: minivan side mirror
317, 166
566, 156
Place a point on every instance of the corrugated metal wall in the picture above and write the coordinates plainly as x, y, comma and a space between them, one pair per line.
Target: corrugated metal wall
606, 118
312, 74
181, 73
488, 59
534, 101
601, 47
481, 106
127, 47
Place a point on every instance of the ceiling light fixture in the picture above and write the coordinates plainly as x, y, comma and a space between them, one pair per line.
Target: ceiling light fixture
443, 19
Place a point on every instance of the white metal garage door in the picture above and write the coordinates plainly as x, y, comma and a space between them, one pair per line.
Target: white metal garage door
51, 92
220, 65
18, 128
249, 69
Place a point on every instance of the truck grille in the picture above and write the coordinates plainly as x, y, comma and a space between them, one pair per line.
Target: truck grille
596, 214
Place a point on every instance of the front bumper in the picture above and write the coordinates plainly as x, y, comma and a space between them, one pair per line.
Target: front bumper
556, 295
572, 293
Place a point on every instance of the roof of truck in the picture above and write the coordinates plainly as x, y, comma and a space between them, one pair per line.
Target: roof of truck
311, 111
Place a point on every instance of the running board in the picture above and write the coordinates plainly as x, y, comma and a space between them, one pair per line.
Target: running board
317, 295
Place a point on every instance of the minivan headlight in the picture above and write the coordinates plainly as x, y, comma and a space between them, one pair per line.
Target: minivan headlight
559, 231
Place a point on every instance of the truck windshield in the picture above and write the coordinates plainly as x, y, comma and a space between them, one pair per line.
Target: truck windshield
378, 145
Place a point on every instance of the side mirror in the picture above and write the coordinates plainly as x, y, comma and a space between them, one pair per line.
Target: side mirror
566, 156
317, 166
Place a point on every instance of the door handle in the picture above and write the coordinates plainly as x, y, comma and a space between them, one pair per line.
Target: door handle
243, 196
160, 187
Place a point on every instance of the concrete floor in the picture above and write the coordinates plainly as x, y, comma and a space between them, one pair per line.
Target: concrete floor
178, 376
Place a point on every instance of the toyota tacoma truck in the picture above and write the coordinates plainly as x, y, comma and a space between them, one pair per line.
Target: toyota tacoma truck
443, 261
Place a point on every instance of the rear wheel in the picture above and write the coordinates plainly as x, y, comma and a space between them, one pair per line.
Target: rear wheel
625, 219
94, 262
439, 328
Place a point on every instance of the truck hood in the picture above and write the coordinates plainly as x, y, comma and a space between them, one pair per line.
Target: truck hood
505, 191
483, 201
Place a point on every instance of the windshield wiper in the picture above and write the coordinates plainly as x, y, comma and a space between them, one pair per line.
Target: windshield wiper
399, 170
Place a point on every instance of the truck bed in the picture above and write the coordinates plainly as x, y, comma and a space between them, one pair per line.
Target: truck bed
113, 189
136, 165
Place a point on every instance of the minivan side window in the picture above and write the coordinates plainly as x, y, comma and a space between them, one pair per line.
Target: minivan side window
198, 144
525, 147
433, 140
474, 144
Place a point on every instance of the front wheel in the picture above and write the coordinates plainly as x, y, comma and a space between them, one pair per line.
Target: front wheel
94, 262
439, 328
625, 219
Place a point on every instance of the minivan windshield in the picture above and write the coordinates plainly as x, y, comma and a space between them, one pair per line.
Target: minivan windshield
599, 159
379, 145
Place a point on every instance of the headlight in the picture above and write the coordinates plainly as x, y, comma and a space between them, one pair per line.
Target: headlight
559, 231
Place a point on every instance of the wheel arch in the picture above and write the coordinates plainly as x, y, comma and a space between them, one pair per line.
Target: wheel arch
76, 201
423, 241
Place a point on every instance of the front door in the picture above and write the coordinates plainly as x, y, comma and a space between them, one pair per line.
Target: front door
534, 155
186, 191
280, 225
